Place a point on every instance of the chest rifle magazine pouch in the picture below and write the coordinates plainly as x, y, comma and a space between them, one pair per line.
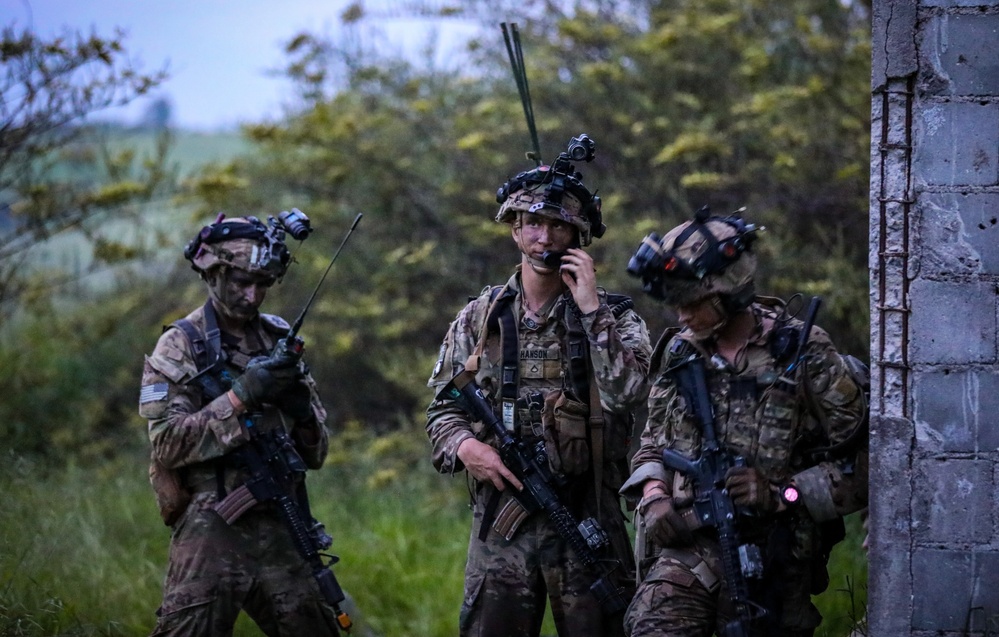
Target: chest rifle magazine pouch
776, 422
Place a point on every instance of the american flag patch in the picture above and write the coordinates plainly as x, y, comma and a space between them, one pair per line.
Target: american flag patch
152, 393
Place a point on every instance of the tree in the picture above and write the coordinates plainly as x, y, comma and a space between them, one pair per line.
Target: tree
56, 175
691, 102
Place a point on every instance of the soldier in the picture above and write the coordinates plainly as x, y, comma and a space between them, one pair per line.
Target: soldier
567, 362
216, 569
797, 421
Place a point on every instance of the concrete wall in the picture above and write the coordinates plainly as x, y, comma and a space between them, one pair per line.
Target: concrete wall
934, 259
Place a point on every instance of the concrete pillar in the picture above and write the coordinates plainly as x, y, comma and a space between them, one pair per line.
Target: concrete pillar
934, 259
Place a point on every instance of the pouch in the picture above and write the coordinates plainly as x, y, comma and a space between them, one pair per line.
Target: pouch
776, 423
565, 430
172, 497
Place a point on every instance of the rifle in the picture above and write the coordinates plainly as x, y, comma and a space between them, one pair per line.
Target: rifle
531, 467
712, 503
277, 470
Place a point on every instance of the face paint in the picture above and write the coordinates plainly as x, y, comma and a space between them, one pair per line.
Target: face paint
238, 294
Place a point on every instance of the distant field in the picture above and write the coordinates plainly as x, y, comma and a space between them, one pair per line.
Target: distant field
192, 150
70, 253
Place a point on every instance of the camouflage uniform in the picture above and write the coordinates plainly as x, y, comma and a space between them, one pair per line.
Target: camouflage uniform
683, 592
506, 581
215, 570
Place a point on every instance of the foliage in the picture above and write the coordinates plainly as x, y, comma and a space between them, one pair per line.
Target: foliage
56, 174
726, 102
70, 381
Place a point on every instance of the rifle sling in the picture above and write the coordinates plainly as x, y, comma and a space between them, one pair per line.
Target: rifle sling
206, 347
585, 387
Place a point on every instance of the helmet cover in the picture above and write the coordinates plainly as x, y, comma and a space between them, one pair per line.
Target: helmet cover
556, 192
700, 258
241, 242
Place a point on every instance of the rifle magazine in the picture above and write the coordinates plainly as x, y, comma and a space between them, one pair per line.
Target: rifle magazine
234, 505
509, 519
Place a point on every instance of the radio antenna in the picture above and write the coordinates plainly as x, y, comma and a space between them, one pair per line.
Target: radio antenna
511, 36
297, 325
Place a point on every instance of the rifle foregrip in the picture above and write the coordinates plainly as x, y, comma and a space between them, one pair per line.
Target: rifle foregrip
613, 599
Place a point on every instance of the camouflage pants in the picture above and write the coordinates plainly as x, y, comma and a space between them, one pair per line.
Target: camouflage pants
683, 594
216, 570
507, 582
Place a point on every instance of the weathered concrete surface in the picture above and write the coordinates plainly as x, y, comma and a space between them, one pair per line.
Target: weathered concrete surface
934, 260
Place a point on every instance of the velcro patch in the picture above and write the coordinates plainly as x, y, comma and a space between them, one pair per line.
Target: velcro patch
152, 393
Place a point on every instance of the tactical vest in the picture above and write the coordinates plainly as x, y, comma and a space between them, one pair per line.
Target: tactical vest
172, 485
776, 426
535, 362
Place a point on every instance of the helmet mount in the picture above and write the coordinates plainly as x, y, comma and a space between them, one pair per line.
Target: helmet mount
705, 256
248, 243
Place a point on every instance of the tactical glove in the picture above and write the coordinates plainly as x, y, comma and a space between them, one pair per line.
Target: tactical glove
663, 524
751, 489
296, 401
264, 380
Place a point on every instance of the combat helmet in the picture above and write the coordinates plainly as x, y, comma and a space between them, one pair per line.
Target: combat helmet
556, 192
709, 255
247, 243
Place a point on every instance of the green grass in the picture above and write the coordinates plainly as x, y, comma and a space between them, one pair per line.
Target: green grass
844, 603
83, 551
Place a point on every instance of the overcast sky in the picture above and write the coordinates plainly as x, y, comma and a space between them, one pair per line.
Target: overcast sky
218, 52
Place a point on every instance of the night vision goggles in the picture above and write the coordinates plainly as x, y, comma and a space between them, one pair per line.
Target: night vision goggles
691, 254
553, 183
248, 243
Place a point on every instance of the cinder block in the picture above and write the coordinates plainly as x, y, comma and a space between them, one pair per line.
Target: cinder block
959, 53
957, 144
952, 322
959, 233
955, 410
985, 591
941, 589
952, 501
